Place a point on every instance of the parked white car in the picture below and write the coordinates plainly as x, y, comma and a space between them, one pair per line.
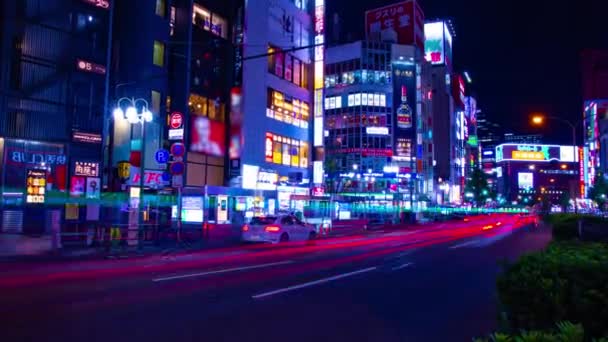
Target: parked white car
275, 229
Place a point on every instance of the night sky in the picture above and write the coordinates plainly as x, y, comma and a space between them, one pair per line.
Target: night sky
523, 56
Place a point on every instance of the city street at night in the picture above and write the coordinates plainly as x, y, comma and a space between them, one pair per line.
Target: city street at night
432, 283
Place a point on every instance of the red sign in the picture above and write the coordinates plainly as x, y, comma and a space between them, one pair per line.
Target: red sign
366, 152
402, 22
176, 120
317, 191
581, 171
152, 178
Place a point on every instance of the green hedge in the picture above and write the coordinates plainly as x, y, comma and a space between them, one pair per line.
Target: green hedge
566, 332
566, 282
565, 226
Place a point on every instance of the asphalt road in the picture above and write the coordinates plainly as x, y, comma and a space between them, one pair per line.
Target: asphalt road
433, 284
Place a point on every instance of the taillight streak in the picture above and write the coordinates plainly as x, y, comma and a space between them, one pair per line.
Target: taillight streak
272, 229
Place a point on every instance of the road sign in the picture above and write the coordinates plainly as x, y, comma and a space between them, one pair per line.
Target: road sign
178, 150
176, 120
176, 168
161, 156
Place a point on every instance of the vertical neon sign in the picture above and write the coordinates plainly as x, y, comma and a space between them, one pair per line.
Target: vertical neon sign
319, 65
581, 171
319, 56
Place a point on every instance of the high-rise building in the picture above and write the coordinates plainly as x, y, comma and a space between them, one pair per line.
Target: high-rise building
489, 133
377, 118
282, 91
449, 120
53, 94
181, 60
594, 113
522, 138
594, 73
529, 173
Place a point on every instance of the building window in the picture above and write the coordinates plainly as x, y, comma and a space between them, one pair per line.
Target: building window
286, 151
209, 21
296, 72
161, 8
287, 67
159, 53
155, 99
203, 106
287, 109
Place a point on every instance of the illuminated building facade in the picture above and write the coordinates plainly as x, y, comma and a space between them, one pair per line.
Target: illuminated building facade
448, 106
594, 112
377, 118
282, 126
527, 173
53, 87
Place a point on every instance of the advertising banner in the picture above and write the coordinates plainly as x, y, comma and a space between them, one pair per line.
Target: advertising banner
401, 22
533, 152
404, 104
207, 136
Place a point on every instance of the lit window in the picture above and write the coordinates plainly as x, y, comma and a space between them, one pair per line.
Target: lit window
304, 155
277, 149
208, 21
286, 155
287, 109
160, 8
158, 57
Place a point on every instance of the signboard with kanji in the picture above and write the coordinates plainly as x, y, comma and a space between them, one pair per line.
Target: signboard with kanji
402, 23
86, 169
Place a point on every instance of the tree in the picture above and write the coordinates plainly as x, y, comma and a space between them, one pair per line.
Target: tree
564, 200
599, 191
477, 186
331, 168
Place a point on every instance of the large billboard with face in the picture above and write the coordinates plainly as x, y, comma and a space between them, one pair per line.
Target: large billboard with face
207, 136
404, 108
402, 23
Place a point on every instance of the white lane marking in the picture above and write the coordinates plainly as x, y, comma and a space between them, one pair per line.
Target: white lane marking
234, 269
402, 254
312, 283
465, 244
402, 266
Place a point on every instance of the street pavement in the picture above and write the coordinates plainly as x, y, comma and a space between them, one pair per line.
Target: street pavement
436, 283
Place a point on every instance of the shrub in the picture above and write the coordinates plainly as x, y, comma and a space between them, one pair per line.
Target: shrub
566, 332
565, 227
566, 282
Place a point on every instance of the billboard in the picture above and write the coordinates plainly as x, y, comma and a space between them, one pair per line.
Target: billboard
402, 23
525, 180
404, 106
535, 153
207, 136
236, 123
438, 43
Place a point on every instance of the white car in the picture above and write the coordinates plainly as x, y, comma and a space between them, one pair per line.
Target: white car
275, 229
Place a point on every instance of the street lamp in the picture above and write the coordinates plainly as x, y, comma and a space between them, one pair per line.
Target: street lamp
538, 119
133, 116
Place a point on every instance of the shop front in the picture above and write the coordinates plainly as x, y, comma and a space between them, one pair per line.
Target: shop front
288, 202
33, 182
223, 205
